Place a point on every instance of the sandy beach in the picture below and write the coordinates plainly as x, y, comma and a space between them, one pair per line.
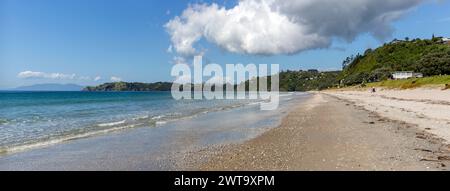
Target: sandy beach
427, 108
346, 130
330, 130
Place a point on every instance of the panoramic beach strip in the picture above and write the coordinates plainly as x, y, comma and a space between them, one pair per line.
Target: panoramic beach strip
337, 129
200, 89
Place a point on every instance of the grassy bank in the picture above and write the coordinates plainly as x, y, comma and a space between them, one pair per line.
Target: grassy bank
413, 82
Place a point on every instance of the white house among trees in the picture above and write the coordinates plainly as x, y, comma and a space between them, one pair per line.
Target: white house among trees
446, 40
406, 75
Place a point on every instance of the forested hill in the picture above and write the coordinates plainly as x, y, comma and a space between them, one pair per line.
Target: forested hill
131, 86
308, 80
289, 81
429, 56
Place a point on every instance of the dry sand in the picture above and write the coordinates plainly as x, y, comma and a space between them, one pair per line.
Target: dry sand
337, 131
429, 109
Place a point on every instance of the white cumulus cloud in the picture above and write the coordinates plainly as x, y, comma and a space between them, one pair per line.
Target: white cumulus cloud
54, 76
269, 27
97, 78
179, 60
115, 79
43, 75
84, 78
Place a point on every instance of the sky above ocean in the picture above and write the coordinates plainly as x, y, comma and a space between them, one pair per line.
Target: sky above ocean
89, 42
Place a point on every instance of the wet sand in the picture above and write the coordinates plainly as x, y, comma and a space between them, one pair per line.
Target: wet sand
330, 133
163, 147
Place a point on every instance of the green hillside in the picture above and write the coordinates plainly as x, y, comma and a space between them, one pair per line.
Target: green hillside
127, 86
307, 80
414, 82
429, 56
289, 81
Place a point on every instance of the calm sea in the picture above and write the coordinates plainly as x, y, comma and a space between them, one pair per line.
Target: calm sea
33, 119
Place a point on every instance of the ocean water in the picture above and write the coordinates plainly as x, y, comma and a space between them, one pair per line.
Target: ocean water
35, 119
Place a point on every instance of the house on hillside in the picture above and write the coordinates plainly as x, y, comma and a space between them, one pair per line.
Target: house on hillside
405, 75
395, 41
446, 41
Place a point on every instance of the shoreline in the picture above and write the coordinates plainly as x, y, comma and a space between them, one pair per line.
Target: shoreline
153, 148
330, 133
321, 131
104, 126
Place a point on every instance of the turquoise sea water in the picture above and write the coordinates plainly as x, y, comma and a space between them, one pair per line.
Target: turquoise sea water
32, 119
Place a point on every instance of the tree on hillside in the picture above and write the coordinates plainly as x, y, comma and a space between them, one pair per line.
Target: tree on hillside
347, 61
435, 63
428, 56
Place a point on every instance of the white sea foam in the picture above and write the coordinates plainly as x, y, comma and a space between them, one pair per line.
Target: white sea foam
161, 122
143, 119
158, 117
140, 117
41, 144
111, 123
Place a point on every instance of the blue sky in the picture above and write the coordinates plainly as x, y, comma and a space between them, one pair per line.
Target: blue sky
83, 39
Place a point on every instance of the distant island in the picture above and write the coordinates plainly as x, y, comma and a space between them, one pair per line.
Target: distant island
50, 87
130, 86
